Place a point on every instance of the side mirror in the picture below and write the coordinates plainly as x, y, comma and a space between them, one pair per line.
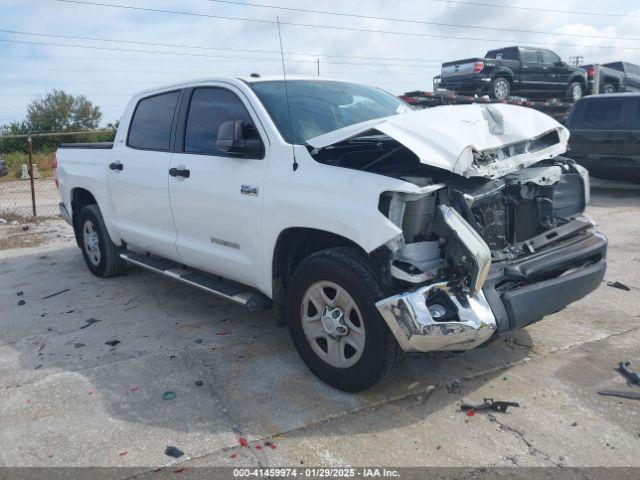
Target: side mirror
239, 138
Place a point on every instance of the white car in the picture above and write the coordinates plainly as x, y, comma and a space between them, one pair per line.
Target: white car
371, 229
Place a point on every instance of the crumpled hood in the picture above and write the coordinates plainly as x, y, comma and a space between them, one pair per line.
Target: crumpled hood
470, 140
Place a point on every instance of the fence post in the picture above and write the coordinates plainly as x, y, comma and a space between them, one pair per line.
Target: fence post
33, 189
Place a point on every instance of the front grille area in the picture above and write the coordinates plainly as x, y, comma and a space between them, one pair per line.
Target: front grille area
492, 219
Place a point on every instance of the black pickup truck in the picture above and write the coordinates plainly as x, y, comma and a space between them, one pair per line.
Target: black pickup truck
615, 77
530, 72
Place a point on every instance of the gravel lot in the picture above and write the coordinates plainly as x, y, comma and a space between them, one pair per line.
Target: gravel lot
70, 399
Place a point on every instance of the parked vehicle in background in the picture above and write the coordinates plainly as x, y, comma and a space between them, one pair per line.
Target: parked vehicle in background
525, 71
605, 135
369, 227
615, 77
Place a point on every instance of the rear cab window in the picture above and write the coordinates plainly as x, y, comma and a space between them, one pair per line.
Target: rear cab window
503, 54
152, 122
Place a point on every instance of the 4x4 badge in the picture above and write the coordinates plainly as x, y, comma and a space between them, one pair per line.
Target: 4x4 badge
249, 190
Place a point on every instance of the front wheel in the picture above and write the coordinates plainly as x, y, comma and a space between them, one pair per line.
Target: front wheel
575, 91
500, 88
334, 324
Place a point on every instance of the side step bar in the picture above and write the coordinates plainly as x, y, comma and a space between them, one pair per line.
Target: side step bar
227, 289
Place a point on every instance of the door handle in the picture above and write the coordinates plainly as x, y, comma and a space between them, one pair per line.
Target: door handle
180, 172
116, 166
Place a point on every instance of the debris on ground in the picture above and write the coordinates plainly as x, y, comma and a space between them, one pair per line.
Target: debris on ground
169, 395
21, 302
198, 340
19, 294
625, 368
223, 333
174, 452
489, 404
243, 442
618, 285
112, 343
79, 345
621, 394
57, 293
199, 383
123, 454
179, 470
233, 455
89, 322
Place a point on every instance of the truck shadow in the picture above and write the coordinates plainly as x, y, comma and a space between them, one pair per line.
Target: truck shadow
81, 350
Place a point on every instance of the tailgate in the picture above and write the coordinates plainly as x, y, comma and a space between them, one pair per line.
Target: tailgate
459, 67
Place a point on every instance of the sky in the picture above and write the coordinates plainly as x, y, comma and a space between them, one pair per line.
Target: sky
108, 53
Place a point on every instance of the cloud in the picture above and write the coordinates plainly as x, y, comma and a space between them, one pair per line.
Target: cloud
108, 74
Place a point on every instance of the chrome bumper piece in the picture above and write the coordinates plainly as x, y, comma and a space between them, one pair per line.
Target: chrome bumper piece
410, 321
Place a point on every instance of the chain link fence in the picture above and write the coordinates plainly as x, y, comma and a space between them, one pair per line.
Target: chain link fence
27, 192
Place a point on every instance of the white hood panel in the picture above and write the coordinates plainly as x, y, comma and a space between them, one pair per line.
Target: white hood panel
446, 137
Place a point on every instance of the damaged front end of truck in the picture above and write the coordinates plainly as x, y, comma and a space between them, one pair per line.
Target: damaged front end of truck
493, 238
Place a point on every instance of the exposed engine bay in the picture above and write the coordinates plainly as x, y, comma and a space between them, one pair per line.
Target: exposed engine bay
493, 238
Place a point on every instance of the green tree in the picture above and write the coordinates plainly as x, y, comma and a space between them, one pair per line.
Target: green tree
59, 111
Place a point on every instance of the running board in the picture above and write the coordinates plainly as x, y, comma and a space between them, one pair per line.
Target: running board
227, 289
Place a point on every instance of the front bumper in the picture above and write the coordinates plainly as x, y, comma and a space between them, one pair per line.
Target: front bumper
515, 294
411, 322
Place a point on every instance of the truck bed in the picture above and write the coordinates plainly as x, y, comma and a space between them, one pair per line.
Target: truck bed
93, 145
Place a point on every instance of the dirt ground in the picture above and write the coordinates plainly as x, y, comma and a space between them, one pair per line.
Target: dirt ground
85, 363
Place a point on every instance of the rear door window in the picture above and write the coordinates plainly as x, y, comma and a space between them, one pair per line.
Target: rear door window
600, 115
152, 121
529, 55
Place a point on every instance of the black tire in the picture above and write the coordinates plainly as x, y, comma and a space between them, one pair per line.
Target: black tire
572, 91
500, 88
381, 355
108, 262
609, 88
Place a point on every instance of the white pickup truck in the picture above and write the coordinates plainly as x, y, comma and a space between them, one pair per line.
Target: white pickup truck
371, 229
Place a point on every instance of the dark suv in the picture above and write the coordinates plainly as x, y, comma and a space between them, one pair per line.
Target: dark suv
605, 135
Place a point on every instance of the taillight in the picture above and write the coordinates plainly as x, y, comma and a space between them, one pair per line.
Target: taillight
478, 67
591, 72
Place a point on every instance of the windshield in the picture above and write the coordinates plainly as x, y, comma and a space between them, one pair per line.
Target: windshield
321, 106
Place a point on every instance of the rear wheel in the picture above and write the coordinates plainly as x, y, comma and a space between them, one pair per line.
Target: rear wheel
609, 88
334, 323
100, 254
500, 88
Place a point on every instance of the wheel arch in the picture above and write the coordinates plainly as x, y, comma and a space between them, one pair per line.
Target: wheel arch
292, 246
505, 73
80, 198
